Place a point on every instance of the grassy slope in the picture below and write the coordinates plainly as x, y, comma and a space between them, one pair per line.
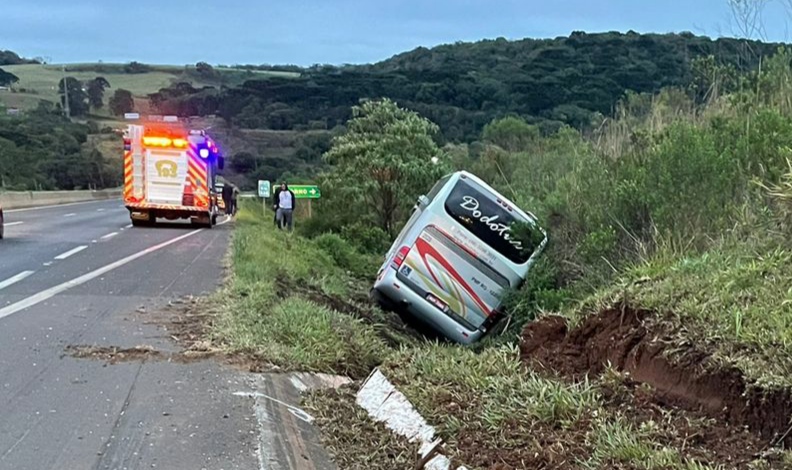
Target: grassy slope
485, 405
276, 305
733, 302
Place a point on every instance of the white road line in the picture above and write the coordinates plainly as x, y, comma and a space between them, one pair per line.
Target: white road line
71, 252
15, 279
70, 215
128, 226
57, 205
109, 235
11, 224
53, 291
100, 210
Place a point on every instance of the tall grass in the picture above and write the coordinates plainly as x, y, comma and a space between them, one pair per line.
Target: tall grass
666, 177
267, 310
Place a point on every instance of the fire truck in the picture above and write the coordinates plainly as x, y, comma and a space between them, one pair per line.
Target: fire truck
170, 172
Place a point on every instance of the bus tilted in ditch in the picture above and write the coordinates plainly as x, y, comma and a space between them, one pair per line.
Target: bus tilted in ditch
455, 257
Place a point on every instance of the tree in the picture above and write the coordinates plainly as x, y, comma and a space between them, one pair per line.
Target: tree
244, 162
78, 99
510, 133
384, 161
136, 67
96, 89
205, 70
7, 78
121, 102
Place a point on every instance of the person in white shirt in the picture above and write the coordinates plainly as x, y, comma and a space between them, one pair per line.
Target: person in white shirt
284, 207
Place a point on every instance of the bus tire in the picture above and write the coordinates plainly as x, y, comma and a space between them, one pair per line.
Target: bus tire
141, 223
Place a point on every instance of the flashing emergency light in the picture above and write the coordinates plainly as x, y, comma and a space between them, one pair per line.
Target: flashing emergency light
156, 141
204, 153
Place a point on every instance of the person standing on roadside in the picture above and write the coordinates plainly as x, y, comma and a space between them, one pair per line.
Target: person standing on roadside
228, 193
284, 206
235, 201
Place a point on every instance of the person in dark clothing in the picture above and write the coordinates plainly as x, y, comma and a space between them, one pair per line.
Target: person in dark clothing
234, 201
228, 194
284, 206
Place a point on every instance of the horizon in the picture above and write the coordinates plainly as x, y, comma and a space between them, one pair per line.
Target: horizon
232, 65
309, 32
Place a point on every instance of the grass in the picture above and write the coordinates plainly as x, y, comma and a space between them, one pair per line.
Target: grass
734, 302
487, 406
269, 308
355, 441
489, 409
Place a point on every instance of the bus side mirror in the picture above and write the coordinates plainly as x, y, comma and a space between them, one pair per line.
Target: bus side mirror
423, 201
220, 162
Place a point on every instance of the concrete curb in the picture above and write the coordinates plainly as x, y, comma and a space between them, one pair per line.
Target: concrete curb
384, 403
26, 199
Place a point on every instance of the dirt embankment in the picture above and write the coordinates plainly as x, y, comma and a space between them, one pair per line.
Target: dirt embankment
686, 378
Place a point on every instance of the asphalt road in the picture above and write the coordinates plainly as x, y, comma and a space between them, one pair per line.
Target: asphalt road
80, 275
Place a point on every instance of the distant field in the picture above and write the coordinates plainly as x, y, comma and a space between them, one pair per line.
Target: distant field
41, 81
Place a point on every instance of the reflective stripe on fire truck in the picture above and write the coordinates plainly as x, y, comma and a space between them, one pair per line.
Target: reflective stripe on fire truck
196, 170
127, 175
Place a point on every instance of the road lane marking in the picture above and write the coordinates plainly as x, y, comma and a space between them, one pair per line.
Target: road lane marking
59, 205
11, 224
108, 236
71, 252
15, 279
128, 226
48, 263
53, 291
70, 215
100, 210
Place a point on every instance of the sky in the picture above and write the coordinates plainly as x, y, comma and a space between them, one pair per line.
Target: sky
307, 32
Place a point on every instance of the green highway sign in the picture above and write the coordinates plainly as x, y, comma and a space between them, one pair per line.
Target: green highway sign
303, 191
263, 188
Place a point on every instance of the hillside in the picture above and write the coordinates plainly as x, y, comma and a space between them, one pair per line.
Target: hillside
653, 333
573, 80
40, 82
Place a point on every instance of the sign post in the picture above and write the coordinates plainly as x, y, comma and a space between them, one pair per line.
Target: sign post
304, 191
264, 192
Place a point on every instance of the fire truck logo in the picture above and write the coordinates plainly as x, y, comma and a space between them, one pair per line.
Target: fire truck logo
167, 169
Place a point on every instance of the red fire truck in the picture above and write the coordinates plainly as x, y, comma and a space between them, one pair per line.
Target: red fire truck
170, 173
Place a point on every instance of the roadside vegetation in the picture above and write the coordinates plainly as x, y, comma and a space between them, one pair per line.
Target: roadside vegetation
300, 304
655, 333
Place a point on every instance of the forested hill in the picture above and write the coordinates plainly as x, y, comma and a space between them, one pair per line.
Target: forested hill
464, 85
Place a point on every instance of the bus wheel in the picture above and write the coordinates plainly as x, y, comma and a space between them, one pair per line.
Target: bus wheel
141, 223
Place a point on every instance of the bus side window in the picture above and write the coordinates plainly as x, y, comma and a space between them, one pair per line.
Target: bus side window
437, 188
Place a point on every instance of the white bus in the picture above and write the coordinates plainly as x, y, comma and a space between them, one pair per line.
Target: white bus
456, 255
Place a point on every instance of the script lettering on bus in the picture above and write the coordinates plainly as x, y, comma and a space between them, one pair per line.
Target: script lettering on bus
471, 204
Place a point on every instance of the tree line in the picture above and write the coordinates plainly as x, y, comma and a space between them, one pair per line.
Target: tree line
573, 80
41, 149
84, 96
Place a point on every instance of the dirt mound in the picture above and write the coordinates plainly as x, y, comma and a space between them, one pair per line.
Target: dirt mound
621, 336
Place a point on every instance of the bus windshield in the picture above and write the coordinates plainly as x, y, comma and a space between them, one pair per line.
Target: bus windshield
489, 222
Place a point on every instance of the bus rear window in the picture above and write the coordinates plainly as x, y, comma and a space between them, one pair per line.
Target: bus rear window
489, 222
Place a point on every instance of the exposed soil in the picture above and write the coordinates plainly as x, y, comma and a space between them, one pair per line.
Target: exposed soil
114, 355
189, 321
687, 379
